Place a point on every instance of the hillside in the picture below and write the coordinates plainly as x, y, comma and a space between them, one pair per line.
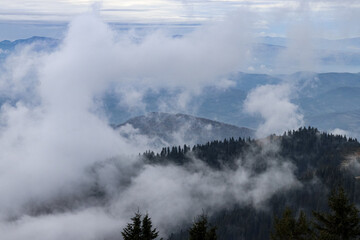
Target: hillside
306, 162
321, 96
321, 161
178, 129
39, 44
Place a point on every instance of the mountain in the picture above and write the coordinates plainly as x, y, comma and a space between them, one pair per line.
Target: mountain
327, 100
39, 44
320, 161
178, 129
336, 100
320, 43
346, 120
10, 45
342, 55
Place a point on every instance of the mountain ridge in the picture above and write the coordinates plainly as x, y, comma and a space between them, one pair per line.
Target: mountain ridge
179, 128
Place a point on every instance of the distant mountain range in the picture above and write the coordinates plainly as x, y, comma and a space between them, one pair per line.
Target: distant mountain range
321, 161
320, 43
6, 44
40, 44
339, 54
342, 55
177, 129
327, 100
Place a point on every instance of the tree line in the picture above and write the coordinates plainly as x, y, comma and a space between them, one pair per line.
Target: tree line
140, 228
318, 159
342, 222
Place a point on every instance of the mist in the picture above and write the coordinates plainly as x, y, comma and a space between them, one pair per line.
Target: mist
53, 132
56, 142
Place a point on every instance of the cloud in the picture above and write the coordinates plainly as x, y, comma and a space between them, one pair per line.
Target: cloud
183, 192
92, 223
52, 132
339, 131
300, 54
273, 104
56, 145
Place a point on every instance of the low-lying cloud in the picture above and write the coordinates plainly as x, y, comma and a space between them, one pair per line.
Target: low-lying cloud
53, 133
57, 146
171, 194
273, 104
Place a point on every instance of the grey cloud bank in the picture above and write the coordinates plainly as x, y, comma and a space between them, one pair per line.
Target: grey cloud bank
54, 132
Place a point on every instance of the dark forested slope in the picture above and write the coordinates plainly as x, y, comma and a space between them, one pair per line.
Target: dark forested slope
321, 161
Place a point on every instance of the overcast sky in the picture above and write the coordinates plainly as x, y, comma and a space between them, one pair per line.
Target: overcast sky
24, 18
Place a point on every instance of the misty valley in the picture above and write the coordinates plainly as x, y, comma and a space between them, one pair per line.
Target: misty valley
179, 130
240, 184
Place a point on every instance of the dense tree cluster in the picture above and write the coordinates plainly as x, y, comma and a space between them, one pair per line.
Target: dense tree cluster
320, 160
215, 153
200, 230
342, 222
305, 147
290, 228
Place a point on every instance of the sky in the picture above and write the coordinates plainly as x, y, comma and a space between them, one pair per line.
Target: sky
22, 19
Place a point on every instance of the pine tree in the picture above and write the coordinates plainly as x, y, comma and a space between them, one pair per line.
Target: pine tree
139, 229
133, 230
146, 229
342, 223
211, 234
288, 228
200, 231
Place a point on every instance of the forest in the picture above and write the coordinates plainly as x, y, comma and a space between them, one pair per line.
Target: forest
322, 162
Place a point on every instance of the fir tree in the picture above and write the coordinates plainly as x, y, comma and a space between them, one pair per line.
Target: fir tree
288, 228
146, 229
139, 229
211, 234
200, 231
133, 230
342, 223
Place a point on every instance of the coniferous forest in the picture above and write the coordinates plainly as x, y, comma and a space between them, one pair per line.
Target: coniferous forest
322, 162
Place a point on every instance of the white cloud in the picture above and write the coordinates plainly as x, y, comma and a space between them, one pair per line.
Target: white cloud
91, 224
339, 131
184, 192
273, 104
50, 145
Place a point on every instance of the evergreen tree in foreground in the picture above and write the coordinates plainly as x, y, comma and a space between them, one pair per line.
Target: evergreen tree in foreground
139, 229
133, 230
288, 228
200, 231
148, 233
342, 223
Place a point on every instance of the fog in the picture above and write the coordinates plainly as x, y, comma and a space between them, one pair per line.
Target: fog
273, 104
170, 194
56, 142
